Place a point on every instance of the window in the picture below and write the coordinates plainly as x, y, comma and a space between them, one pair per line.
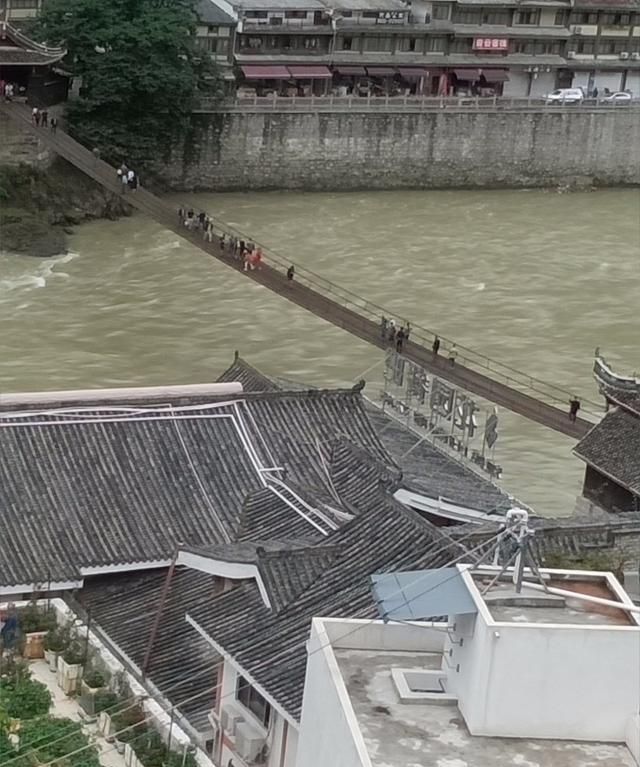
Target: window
295, 14
462, 15
370, 15
347, 43
562, 18
461, 45
530, 17
436, 44
612, 47
547, 47
215, 45
583, 17
615, 19
440, 11
15, 4
212, 30
497, 17
407, 44
522, 46
253, 701
585, 46
256, 14
378, 44
275, 21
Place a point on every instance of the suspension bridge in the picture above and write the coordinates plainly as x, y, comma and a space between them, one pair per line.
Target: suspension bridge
537, 400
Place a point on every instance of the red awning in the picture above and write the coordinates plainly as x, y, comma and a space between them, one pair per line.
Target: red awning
310, 73
413, 74
470, 75
381, 71
256, 72
495, 75
353, 71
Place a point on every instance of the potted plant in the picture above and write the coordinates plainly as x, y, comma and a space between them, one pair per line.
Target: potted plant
70, 667
24, 698
91, 684
150, 749
34, 622
128, 725
54, 645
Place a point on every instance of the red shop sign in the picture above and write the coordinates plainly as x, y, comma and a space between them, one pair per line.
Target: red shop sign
494, 44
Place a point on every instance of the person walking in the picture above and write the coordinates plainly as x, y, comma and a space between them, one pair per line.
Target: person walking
453, 354
201, 219
383, 327
400, 336
53, 124
407, 331
290, 273
436, 346
35, 116
574, 406
45, 118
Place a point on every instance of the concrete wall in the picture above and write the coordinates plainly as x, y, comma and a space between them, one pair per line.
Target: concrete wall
21, 146
329, 731
342, 151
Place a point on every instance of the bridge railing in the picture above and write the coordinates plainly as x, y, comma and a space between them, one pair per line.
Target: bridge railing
373, 312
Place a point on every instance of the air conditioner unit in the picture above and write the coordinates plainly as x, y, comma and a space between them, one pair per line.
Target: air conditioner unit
635, 56
249, 743
624, 55
230, 719
571, 54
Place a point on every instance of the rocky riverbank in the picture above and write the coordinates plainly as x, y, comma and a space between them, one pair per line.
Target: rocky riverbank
38, 207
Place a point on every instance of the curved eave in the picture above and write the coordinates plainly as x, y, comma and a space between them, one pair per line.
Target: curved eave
36, 60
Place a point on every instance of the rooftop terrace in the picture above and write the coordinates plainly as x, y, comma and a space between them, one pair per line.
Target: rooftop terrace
399, 734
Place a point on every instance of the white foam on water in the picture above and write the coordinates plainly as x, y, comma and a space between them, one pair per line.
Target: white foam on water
30, 278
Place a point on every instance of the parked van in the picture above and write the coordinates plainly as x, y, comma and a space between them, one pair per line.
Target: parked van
565, 96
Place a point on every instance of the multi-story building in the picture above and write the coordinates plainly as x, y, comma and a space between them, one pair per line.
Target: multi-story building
604, 50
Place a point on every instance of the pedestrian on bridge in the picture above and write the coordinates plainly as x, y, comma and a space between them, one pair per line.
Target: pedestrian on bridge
290, 273
400, 338
53, 124
45, 118
436, 346
574, 406
453, 355
384, 323
35, 116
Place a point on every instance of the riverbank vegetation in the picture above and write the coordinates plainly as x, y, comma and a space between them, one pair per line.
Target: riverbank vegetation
140, 73
37, 207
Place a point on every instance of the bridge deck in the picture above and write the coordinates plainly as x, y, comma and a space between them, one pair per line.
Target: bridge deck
536, 400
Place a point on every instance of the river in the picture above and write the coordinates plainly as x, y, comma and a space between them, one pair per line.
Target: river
536, 279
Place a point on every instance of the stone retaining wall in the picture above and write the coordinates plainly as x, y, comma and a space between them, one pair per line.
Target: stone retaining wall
447, 149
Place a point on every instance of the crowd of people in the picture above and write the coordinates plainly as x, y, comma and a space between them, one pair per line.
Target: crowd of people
40, 118
396, 337
249, 253
128, 177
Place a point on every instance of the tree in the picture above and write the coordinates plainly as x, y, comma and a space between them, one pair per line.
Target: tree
140, 72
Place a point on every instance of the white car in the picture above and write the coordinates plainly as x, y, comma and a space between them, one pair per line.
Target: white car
565, 96
620, 97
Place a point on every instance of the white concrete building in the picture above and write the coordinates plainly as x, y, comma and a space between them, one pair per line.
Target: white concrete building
538, 679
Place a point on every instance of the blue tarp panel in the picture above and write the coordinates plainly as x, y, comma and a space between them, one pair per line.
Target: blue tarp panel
421, 594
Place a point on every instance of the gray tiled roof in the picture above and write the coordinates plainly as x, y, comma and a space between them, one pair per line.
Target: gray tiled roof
613, 447
111, 488
270, 646
426, 470
209, 12
629, 400
182, 665
250, 378
431, 472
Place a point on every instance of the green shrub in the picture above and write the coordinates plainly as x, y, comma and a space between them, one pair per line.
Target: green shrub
75, 653
105, 700
25, 699
94, 678
48, 738
35, 618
